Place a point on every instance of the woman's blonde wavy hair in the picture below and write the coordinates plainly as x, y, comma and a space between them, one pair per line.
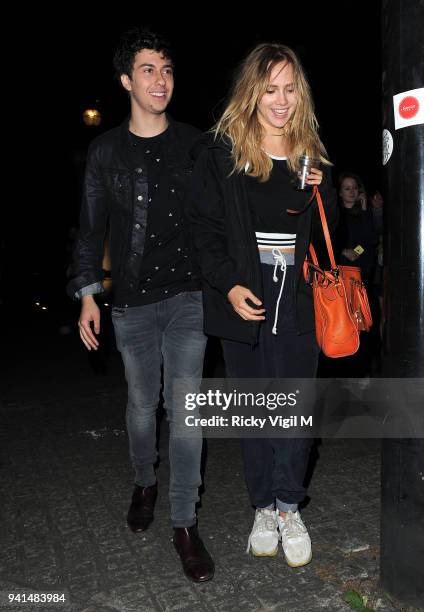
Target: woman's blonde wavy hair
239, 121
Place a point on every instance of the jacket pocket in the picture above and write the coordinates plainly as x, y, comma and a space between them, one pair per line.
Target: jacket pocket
119, 184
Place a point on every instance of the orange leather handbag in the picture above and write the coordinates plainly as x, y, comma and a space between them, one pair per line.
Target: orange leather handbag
340, 299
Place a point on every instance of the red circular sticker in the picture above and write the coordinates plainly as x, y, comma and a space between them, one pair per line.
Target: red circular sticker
409, 107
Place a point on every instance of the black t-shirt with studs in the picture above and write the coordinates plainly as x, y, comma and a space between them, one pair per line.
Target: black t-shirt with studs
166, 268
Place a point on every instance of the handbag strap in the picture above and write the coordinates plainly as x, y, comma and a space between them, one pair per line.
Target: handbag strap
316, 194
325, 228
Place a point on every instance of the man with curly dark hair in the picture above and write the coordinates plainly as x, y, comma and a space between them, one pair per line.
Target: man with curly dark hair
135, 181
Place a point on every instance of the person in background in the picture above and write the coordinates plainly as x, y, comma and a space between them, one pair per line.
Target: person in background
377, 208
356, 245
356, 236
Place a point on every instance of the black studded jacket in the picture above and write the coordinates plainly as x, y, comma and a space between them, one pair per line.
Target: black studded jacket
116, 198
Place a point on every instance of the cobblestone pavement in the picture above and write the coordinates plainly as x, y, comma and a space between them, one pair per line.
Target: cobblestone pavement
66, 483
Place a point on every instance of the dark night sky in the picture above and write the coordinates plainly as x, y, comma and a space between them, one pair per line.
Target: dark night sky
70, 67
339, 44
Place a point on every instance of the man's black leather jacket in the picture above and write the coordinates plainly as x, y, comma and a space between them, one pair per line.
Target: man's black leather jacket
115, 199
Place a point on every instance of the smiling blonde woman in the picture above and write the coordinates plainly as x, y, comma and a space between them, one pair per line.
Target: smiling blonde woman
251, 252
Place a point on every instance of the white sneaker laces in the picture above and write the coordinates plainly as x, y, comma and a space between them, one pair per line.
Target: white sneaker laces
263, 522
292, 526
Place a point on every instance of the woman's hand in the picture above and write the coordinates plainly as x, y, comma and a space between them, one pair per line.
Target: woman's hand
237, 297
363, 199
314, 177
350, 254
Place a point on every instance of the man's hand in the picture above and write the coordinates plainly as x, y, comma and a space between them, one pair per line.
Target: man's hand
237, 297
90, 312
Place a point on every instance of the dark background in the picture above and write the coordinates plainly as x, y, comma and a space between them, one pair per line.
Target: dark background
66, 66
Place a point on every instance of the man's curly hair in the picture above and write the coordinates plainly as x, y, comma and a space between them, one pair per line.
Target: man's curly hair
131, 43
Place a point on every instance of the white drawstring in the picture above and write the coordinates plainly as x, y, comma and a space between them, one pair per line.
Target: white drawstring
280, 261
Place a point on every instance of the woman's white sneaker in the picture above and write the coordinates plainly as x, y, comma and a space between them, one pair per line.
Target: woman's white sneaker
263, 539
295, 539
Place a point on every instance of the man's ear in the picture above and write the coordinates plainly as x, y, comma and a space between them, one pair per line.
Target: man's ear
126, 82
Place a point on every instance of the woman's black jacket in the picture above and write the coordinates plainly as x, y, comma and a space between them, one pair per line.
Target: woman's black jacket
223, 234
